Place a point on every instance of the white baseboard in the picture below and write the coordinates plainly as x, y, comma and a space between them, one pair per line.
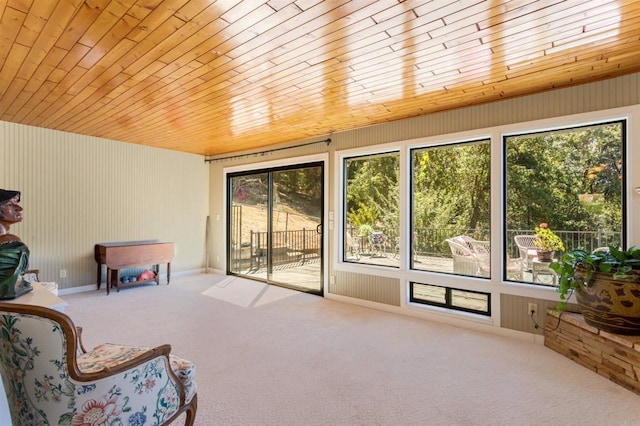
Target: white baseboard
92, 287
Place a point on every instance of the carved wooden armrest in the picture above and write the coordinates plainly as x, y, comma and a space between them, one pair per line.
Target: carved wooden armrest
80, 344
110, 359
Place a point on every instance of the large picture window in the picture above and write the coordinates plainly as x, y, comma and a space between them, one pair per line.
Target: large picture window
372, 209
567, 182
427, 207
450, 208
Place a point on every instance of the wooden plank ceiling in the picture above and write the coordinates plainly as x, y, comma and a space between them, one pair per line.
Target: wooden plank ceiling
214, 77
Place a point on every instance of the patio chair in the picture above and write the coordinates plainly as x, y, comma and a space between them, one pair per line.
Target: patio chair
465, 259
396, 248
514, 269
528, 250
377, 241
353, 246
482, 251
51, 379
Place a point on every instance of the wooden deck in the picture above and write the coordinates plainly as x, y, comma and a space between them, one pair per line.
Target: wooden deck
305, 274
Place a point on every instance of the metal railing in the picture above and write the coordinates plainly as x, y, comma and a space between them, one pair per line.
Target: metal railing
286, 247
431, 241
572, 240
305, 244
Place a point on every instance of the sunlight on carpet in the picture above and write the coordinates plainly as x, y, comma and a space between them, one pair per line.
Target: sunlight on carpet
247, 293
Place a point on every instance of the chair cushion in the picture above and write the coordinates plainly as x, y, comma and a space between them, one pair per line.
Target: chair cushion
111, 355
377, 237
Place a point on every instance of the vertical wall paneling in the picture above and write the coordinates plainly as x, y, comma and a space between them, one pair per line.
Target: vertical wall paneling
79, 190
373, 288
515, 316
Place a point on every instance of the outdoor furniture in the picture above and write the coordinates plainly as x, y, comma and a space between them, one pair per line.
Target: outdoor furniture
514, 269
466, 260
540, 269
527, 250
353, 246
396, 249
377, 241
482, 251
50, 378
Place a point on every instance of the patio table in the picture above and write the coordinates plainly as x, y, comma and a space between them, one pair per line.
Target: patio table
541, 269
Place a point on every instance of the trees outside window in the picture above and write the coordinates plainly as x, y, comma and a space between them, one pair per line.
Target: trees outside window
572, 181
450, 208
372, 209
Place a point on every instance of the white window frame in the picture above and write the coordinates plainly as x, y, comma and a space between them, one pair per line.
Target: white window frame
496, 285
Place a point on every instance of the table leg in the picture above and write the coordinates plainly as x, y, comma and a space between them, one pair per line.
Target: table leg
98, 279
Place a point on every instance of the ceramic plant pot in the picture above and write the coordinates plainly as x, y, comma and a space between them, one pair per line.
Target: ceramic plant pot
610, 304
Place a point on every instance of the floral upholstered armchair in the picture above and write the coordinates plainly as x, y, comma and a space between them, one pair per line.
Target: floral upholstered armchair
50, 379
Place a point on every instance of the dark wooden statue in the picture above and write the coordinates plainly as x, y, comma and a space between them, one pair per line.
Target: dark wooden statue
14, 254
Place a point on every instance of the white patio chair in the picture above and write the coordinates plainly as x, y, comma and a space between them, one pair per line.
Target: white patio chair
482, 251
514, 269
353, 246
465, 260
528, 250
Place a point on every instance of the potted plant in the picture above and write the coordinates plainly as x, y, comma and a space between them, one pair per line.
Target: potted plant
546, 242
607, 286
364, 230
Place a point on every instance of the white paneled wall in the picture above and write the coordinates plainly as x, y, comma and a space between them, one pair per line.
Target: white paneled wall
79, 190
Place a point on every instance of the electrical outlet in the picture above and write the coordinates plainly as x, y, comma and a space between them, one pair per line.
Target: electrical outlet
532, 309
63, 273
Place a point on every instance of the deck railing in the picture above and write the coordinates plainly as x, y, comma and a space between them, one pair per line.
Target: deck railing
432, 241
287, 246
305, 244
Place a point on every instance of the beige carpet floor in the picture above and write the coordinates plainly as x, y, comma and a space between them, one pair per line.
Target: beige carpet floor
271, 356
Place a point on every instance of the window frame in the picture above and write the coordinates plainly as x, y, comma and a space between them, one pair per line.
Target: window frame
342, 252
497, 285
624, 121
448, 304
411, 222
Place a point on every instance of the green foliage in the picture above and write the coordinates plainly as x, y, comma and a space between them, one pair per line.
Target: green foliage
363, 214
373, 190
547, 239
570, 178
575, 268
546, 171
299, 188
364, 230
451, 186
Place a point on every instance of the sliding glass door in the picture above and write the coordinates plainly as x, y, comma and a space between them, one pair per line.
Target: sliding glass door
275, 226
